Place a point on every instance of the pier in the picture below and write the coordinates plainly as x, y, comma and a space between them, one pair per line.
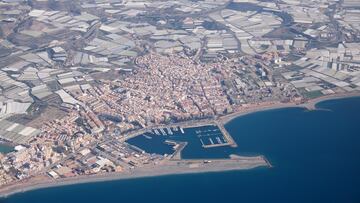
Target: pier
267, 161
215, 145
178, 148
216, 141
227, 136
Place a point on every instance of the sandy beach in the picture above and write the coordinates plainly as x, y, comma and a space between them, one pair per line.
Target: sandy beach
168, 168
309, 105
173, 167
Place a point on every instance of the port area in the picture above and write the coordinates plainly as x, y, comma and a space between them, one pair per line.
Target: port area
204, 134
215, 134
169, 164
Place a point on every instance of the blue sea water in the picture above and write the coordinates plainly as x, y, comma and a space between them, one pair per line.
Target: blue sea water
316, 158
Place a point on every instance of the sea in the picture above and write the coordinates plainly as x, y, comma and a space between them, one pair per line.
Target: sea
315, 157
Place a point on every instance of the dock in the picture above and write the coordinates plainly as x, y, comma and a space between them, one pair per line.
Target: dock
163, 132
216, 145
169, 131
156, 132
227, 136
267, 161
229, 140
178, 148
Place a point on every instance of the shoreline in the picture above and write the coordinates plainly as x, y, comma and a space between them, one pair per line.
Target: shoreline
253, 108
47, 182
309, 105
217, 166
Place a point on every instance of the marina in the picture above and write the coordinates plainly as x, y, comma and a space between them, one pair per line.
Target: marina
207, 136
212, 137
